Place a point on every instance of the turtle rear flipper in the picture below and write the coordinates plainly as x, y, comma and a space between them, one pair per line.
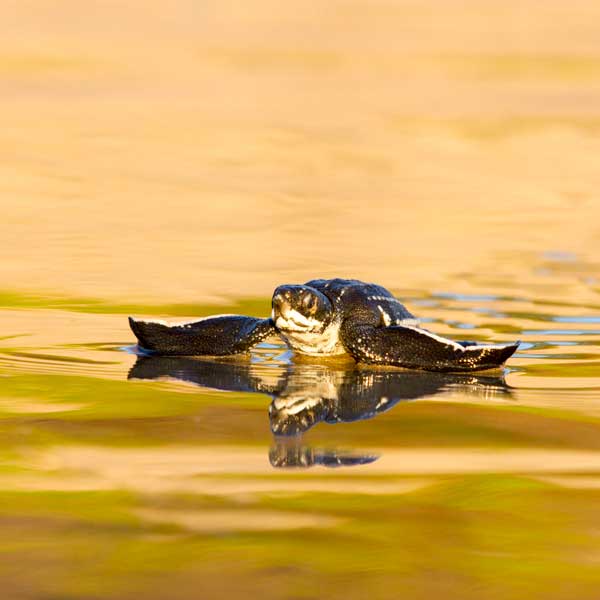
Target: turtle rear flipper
213, 336
415, 348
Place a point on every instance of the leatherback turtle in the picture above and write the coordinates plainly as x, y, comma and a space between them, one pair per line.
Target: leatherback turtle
327, 317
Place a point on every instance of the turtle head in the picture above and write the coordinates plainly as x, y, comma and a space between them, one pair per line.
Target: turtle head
301, 308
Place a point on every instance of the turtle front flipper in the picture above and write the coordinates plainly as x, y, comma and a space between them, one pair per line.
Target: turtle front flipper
415, 348
213, 336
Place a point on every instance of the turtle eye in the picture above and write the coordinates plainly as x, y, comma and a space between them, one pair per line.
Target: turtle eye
309, 302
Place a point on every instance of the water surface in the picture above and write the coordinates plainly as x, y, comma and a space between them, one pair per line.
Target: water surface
186, 162
122, 471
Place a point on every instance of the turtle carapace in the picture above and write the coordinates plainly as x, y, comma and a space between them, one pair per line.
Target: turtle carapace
327, 317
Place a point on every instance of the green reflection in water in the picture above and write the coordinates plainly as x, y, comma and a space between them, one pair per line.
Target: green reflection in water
460, 535
114, 488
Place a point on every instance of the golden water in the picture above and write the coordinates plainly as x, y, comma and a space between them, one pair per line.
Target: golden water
183, 160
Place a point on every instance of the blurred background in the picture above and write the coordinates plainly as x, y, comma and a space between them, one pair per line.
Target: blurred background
183, 159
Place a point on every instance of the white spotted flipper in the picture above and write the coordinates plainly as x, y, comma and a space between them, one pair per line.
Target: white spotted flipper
214, 336
415, 348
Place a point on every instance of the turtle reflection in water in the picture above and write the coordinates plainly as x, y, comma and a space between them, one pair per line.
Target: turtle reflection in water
306, 394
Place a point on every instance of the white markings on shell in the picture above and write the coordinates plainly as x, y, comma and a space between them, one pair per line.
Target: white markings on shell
387, 321
386, 298
414, 323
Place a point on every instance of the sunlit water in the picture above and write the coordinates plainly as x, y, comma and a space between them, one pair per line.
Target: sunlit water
125, 471
186, 161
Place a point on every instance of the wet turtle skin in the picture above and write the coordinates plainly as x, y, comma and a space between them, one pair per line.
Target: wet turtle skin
327, 317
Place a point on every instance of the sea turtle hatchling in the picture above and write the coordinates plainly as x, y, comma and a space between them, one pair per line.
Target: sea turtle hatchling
327, 317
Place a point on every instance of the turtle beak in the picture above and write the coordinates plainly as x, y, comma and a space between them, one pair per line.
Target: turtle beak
281, 306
